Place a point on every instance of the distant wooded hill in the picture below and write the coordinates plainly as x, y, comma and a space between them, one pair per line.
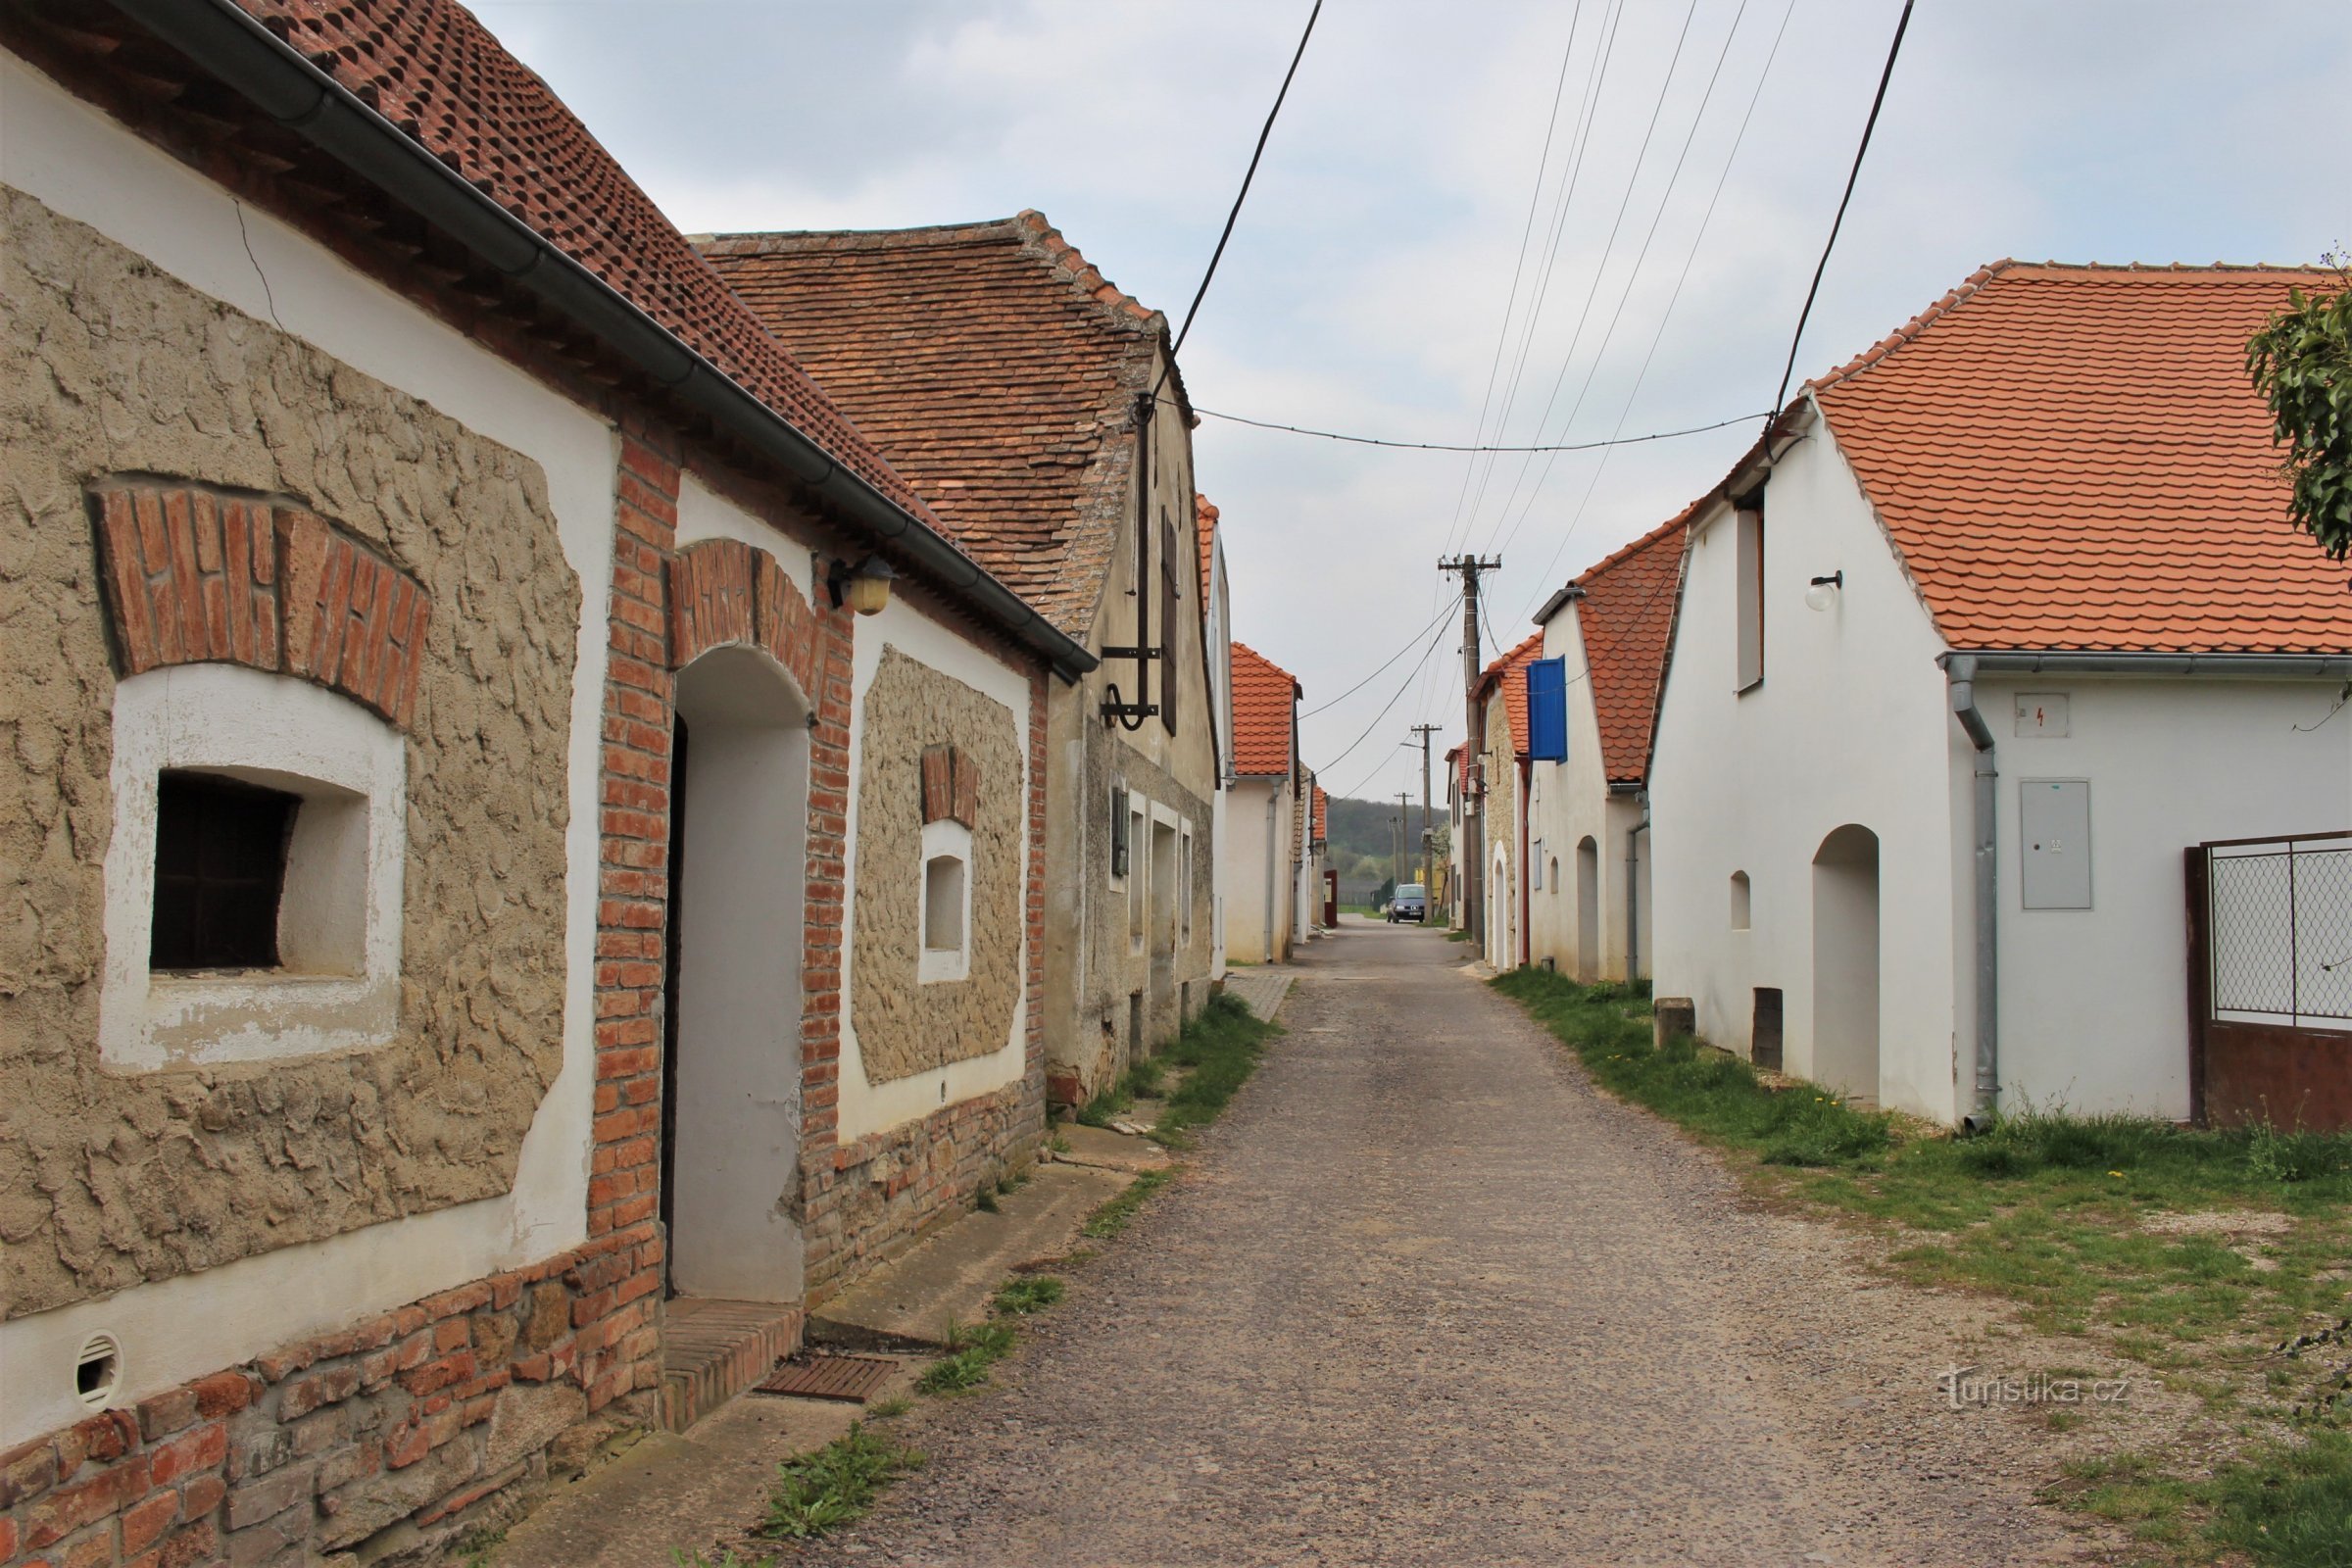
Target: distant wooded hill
1361, 836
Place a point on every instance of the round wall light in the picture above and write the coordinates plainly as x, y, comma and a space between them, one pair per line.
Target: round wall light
865, 587
1821, 592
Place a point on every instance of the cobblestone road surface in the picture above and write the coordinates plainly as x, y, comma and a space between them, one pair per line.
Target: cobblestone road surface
1425, 1297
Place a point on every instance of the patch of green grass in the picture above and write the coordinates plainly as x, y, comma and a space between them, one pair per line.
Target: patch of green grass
2080, 1221
890, 1409
1112, 1216
820, 1492
1218, 1050
683, 1558
1026, 1293
985, 1201
2290, 1504
1457, 936
972, 1348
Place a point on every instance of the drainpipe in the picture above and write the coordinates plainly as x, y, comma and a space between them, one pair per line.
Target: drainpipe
1960, 671
1273, 803
1632, 893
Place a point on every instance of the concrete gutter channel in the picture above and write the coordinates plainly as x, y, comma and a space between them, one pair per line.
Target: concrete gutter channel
707, 1485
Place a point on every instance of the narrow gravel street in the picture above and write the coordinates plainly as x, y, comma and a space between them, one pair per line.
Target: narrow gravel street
1425, 1297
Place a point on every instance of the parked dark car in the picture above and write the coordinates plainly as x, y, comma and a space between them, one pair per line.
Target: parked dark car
1411, 903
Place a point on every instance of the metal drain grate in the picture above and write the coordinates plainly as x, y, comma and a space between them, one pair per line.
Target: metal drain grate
851, 1378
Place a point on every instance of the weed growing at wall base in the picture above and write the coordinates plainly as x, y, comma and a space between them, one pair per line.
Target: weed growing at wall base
2197, 1254
823, 1491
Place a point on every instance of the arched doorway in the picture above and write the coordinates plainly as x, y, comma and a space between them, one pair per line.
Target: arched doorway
1845, 962
1500, 904
1588, 911
731, 1047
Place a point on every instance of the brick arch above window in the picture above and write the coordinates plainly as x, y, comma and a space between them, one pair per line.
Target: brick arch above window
724, 592
196, 575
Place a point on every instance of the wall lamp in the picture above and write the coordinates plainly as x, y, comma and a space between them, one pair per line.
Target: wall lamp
865, 587
1824, 590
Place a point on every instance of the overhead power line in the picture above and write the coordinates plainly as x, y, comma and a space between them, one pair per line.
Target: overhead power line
1250, 175
1852, 174
1436, 637
1446, 446
1411, 644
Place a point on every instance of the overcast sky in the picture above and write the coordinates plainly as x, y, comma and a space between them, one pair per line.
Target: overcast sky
1366, 287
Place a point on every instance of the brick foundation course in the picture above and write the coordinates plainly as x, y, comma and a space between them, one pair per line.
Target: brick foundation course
409, 1418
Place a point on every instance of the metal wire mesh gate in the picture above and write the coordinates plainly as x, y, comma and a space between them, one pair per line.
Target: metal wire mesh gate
2279, 919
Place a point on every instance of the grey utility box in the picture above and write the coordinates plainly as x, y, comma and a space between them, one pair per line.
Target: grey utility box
2053, 822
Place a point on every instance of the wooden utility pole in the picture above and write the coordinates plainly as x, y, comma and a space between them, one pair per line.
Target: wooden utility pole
1404, 830
1472, 849
1428, 854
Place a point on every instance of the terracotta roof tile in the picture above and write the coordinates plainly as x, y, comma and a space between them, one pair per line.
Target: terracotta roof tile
1627, 616
992, 364
1204, 517
435, 72
1264, 699
2073, 457
1510, 672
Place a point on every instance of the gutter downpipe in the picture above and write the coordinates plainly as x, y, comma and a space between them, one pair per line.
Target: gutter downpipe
1632, 893
278, 81
1960, 673
1273, 805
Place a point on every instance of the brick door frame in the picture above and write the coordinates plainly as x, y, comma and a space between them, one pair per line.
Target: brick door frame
668, 607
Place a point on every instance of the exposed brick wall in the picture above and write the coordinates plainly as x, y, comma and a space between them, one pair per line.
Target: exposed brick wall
633, 845
195, 575
411, 1417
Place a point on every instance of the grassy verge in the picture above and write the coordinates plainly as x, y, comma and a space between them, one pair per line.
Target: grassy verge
1216, 1054
2216, 1259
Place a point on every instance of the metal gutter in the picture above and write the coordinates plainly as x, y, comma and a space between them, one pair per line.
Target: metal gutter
1960, 671
2248, 667
278, 81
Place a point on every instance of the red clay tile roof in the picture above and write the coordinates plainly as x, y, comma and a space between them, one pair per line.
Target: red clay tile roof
1204, 517
1627, 616
996, 367
435, 72
2073, 457
1512, 671
1264, 698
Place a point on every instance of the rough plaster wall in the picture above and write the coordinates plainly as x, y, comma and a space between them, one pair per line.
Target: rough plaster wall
904, 1027
108, 367
1502, 781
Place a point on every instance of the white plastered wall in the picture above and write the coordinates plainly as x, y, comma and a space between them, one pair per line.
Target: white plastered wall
86, 167
2094, 1001
1851, 725
1249, 847
1572, 801
870, 1108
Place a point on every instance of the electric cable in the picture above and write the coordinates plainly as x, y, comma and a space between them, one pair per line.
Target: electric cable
1780, 397
1601, 269
1443, 446
1410, 676
1409, 645
1243, 195
1689, 257
1633, 277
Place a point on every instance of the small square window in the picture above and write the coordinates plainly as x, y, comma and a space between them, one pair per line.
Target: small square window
219, 872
